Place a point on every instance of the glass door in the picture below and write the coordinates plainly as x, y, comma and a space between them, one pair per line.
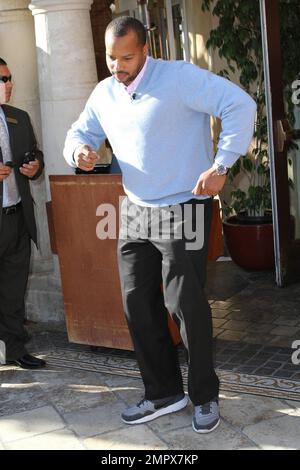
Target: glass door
166, 24
280, 21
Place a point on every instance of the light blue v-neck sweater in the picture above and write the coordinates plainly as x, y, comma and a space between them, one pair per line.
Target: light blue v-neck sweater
162, 138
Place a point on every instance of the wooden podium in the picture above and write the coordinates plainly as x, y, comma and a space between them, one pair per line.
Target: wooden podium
88, 265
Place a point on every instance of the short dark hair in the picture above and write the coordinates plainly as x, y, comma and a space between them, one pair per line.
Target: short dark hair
2, 61
121, 25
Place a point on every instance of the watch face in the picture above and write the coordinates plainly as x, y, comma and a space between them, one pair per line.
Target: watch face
220, 169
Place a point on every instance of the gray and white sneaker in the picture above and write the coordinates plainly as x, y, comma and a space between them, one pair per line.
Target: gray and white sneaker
206, 417
147, 410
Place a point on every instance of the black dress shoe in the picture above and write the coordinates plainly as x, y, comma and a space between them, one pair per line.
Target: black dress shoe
29, 362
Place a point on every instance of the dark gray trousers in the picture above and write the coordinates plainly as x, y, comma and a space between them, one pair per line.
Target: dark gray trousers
14, 268
147, 262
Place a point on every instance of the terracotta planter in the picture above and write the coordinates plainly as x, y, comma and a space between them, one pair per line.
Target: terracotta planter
250, 246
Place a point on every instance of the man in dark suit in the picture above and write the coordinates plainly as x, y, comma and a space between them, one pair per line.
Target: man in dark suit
17, 223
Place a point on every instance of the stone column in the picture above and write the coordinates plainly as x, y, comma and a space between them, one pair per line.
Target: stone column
66, 76
66, 70
17, 48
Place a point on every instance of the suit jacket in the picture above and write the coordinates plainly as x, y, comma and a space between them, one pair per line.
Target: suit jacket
22, 140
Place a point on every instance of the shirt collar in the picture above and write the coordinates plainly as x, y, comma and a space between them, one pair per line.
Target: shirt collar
3, 117
133, 85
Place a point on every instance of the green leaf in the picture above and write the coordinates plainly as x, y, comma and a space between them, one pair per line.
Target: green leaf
247, 164
237, 39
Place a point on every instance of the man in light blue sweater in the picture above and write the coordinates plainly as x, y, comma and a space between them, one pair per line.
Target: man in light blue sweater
156, 115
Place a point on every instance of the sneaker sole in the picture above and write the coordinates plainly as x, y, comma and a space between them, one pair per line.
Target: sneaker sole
179, 405
206, 431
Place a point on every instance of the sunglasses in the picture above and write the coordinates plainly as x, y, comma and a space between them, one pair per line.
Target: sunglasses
5, 79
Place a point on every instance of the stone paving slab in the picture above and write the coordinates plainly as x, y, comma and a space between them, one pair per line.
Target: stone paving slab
21, 399
71, 390
236, 325
130, 391
29, 423
71, 398
279, 433
244, 410
295, 407
97, 420
286, 321
217, 332
220, 313
63, 439
138, 437
218, 322
19, 392
284, 331
15, 375
48, 378
232, 335
173, 421
116, 381
281, 341
223, 438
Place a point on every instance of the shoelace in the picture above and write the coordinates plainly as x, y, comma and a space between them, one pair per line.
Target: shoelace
141, 403
205, 409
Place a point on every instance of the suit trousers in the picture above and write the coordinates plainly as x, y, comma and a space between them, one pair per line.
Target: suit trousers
14, 268
162, 257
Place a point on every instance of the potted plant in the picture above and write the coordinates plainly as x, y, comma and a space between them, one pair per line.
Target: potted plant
247, 221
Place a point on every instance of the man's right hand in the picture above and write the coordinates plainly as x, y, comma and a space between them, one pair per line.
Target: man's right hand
85, 158
5, 171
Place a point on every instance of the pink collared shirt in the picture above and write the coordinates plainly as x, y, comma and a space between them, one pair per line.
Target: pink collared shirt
133, 85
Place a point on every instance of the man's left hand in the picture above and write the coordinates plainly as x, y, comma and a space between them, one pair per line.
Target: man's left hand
30, 169
209, 183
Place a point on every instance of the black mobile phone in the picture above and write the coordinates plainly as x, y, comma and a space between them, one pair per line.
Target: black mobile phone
29, 157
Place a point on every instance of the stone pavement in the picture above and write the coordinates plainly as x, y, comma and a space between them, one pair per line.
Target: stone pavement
58, 408
249, 307
255, 324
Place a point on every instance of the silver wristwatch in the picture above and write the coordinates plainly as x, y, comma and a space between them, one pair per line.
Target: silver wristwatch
220, 169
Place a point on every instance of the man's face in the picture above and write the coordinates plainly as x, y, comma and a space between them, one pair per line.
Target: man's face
5, 72
125, 57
